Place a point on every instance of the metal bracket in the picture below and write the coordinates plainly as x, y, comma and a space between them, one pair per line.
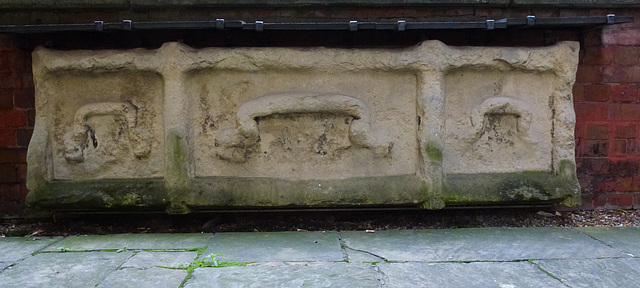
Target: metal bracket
99, 25
531, 20
611, 18
491, 24
220, 24
126, 24
353, 25
259, 26
402, 25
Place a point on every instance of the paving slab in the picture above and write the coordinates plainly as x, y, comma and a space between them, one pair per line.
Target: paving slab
144, 260
152, 277
476, 274
626, 239
602, 273
472, 244
133, 241
14, 249
69, 269
276, 246
287, 275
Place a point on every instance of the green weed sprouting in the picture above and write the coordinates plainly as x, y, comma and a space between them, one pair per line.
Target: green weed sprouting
201, 263
209, 261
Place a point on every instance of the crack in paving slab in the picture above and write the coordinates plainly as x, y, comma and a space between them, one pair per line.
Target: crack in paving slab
346, 247
475, 274
63, 269
380, 275
16, 249
605, 244
534, 263
478, 244
314, 274
586, 231
378, 257
610, 272
343, 247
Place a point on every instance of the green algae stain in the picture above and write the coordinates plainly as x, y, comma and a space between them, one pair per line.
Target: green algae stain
433, 153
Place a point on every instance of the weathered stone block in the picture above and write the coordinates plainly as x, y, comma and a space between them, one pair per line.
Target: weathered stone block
179, 128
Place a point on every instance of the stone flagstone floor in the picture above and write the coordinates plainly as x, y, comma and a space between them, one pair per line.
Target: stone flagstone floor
475, 257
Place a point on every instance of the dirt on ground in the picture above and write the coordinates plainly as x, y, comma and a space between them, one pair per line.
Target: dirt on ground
79, 224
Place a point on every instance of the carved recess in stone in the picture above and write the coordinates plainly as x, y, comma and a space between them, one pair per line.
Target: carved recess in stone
234, 143
358, 126
125, 117
498, 121
103, 124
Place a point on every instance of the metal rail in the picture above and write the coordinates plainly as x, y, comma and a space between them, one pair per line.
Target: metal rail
401, 25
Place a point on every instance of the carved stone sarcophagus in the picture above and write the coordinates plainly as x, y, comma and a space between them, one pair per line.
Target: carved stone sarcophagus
218, 128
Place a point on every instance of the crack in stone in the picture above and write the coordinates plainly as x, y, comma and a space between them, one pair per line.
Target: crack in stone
380, 275
548, 273
605, 244
344, 247
367, 252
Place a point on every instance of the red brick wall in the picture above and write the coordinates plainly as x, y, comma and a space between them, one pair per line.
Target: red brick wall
608, 117
607, 99
16, 124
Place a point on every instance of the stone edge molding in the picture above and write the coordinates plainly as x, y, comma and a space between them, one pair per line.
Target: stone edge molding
180, 191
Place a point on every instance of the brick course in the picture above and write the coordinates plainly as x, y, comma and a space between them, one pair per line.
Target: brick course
16, 103
611, 179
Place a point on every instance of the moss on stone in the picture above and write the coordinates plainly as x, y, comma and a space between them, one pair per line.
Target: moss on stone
178, 159
104, 194
433, 153
503, 188
177, 176
269, 192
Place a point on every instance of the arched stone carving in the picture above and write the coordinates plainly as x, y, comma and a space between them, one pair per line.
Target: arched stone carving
503, 106
361, 133
81, 132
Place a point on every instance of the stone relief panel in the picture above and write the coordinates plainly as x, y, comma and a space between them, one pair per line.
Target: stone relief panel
498, 121
357, 125
106, 125
183, 129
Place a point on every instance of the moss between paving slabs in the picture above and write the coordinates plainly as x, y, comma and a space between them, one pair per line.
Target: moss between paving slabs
190, 267
532, 261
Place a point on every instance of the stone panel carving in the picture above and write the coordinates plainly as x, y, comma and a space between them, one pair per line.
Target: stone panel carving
496, 117
369, 130
125, 117
247, 134
103, 125
181, 129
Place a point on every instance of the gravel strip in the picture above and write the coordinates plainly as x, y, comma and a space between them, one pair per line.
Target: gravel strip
316, 221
